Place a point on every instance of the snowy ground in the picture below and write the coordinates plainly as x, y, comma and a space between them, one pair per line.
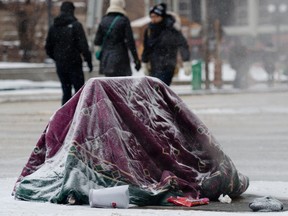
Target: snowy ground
19, 88
228, 74
11, 207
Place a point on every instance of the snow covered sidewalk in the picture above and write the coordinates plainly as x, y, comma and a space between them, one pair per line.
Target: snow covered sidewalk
12, 207
27, 90
21, 89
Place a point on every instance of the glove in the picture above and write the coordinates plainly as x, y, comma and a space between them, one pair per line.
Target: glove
137, 65
90, 66
187, 68
145, 69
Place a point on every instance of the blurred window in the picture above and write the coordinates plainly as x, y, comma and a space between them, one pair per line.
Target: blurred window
273, 12
241, 12
230, 12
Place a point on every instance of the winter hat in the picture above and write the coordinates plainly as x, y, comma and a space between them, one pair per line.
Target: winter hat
67, 7
159, 9
117, 6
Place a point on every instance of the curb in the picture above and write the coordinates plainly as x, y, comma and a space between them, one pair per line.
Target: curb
188, 91
48, 94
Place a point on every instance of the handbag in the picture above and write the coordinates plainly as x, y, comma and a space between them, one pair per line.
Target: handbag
99, 51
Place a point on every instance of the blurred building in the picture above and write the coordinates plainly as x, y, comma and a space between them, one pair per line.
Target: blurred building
33, 15
24, 26
255, 21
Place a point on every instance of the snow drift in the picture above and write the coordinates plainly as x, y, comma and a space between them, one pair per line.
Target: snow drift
135, 131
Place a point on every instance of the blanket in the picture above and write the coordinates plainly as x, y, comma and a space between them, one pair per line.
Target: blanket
127, 131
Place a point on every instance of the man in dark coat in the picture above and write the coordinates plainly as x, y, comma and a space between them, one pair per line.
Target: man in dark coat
161, 43
114, 60
65, 43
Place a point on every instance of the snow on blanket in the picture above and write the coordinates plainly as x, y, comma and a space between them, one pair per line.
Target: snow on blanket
135, 131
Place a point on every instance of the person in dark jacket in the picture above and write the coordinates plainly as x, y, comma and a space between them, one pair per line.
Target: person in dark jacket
66, 43
114, 59
162, 39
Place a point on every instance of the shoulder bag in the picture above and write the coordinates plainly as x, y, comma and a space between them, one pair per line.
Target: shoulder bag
98, 52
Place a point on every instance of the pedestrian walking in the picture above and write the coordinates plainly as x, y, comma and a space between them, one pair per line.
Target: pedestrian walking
162, 40
66, 44
115, 38
238, 59
268, 60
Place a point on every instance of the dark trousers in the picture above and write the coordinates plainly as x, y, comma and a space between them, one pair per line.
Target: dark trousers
165, 75
70, 75
270, 68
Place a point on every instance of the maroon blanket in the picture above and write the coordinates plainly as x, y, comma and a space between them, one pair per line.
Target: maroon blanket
134, 131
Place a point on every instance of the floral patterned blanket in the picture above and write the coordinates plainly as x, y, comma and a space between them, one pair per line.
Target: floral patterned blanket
135, 131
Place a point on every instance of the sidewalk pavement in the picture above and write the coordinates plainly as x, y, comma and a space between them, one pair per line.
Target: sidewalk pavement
23, 90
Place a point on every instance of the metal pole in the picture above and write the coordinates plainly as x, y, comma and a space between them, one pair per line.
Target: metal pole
278, 35
99, 13
147, 7
49, 8
205, 20
218, 62
94, 14
175, 6
90, 24
91, 12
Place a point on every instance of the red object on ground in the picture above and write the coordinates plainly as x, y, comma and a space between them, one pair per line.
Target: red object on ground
185, 201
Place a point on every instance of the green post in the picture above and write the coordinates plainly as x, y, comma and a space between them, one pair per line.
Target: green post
196, 75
